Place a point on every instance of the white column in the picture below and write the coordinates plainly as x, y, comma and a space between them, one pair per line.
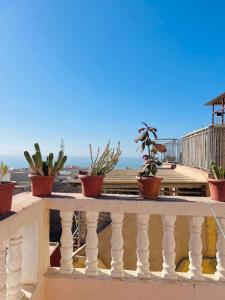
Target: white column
168, 245
142, 247
220, 255
195, 248
92, 244
117, 245
66, 249
3, 274
14, 264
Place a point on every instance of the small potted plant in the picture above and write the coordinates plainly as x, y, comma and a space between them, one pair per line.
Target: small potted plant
43, 173
217, 182
6, 191
148, 183
100, 165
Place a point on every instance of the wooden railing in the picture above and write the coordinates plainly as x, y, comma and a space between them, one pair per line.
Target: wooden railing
199, 148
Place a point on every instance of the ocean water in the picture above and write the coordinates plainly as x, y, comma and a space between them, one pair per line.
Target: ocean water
16, 161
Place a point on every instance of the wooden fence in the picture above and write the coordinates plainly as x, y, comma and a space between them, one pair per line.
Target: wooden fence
199, 148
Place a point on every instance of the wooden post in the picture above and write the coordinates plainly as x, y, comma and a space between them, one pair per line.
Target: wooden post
223, 111
213, 115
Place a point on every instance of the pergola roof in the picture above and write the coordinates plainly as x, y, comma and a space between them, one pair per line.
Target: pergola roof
217, 100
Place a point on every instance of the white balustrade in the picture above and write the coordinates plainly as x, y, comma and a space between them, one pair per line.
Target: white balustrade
92, 244
12, 264
3, 275
14, 269
117, 245
142, 246
195, 248
66, 249
168, 245
220, 255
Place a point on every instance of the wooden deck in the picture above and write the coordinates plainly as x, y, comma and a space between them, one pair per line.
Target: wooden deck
124, 180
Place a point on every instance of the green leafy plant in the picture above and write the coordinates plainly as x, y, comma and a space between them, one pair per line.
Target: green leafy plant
218, 172
3, 170
147, 138
104, 163
45, 168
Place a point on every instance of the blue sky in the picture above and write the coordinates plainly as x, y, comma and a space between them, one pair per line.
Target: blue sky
88, 71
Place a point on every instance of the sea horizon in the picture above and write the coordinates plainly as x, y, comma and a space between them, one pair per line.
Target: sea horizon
18, 161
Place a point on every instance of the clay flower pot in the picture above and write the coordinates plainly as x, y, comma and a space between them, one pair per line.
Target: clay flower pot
149, 187
41, 186
6, 191
91, 185
217, 189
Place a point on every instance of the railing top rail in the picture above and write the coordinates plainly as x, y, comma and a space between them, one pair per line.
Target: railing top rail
29, 208
165, 205
195, 132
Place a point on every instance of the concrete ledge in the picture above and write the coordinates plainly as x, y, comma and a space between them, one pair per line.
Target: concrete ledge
79, 286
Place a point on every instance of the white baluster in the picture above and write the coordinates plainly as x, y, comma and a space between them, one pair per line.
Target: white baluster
14, 264
3, 274
66, 249
195, 248
220, 255
117, 245
168, 245
142, 247
91, 244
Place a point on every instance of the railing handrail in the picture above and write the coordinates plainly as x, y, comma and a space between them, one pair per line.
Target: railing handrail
165, 205
194, 132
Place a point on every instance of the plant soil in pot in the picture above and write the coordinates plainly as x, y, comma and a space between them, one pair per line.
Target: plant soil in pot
91, 185
41, 186
91, 182
217, 183
149, 187
43, 172
6, 192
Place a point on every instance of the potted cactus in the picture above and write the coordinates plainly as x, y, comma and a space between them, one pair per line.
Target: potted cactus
43, 173
217, 182
6, 190
148, 183
100, 165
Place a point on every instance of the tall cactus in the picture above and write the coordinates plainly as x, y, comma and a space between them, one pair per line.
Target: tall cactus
45, 168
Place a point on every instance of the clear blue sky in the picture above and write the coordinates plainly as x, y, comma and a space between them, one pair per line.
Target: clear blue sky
90, 70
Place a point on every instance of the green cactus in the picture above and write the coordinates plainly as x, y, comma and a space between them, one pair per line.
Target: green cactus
218, 172
44, 168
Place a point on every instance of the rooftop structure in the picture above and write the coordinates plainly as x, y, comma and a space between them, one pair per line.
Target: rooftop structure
220, 110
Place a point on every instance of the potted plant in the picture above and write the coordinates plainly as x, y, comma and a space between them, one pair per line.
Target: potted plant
43, 173
100, 165
217, 183
148, 183
6, 191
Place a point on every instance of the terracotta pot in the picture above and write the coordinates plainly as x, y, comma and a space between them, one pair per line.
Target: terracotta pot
149, 187
91, 185
6, 191
42, 185
217, 189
